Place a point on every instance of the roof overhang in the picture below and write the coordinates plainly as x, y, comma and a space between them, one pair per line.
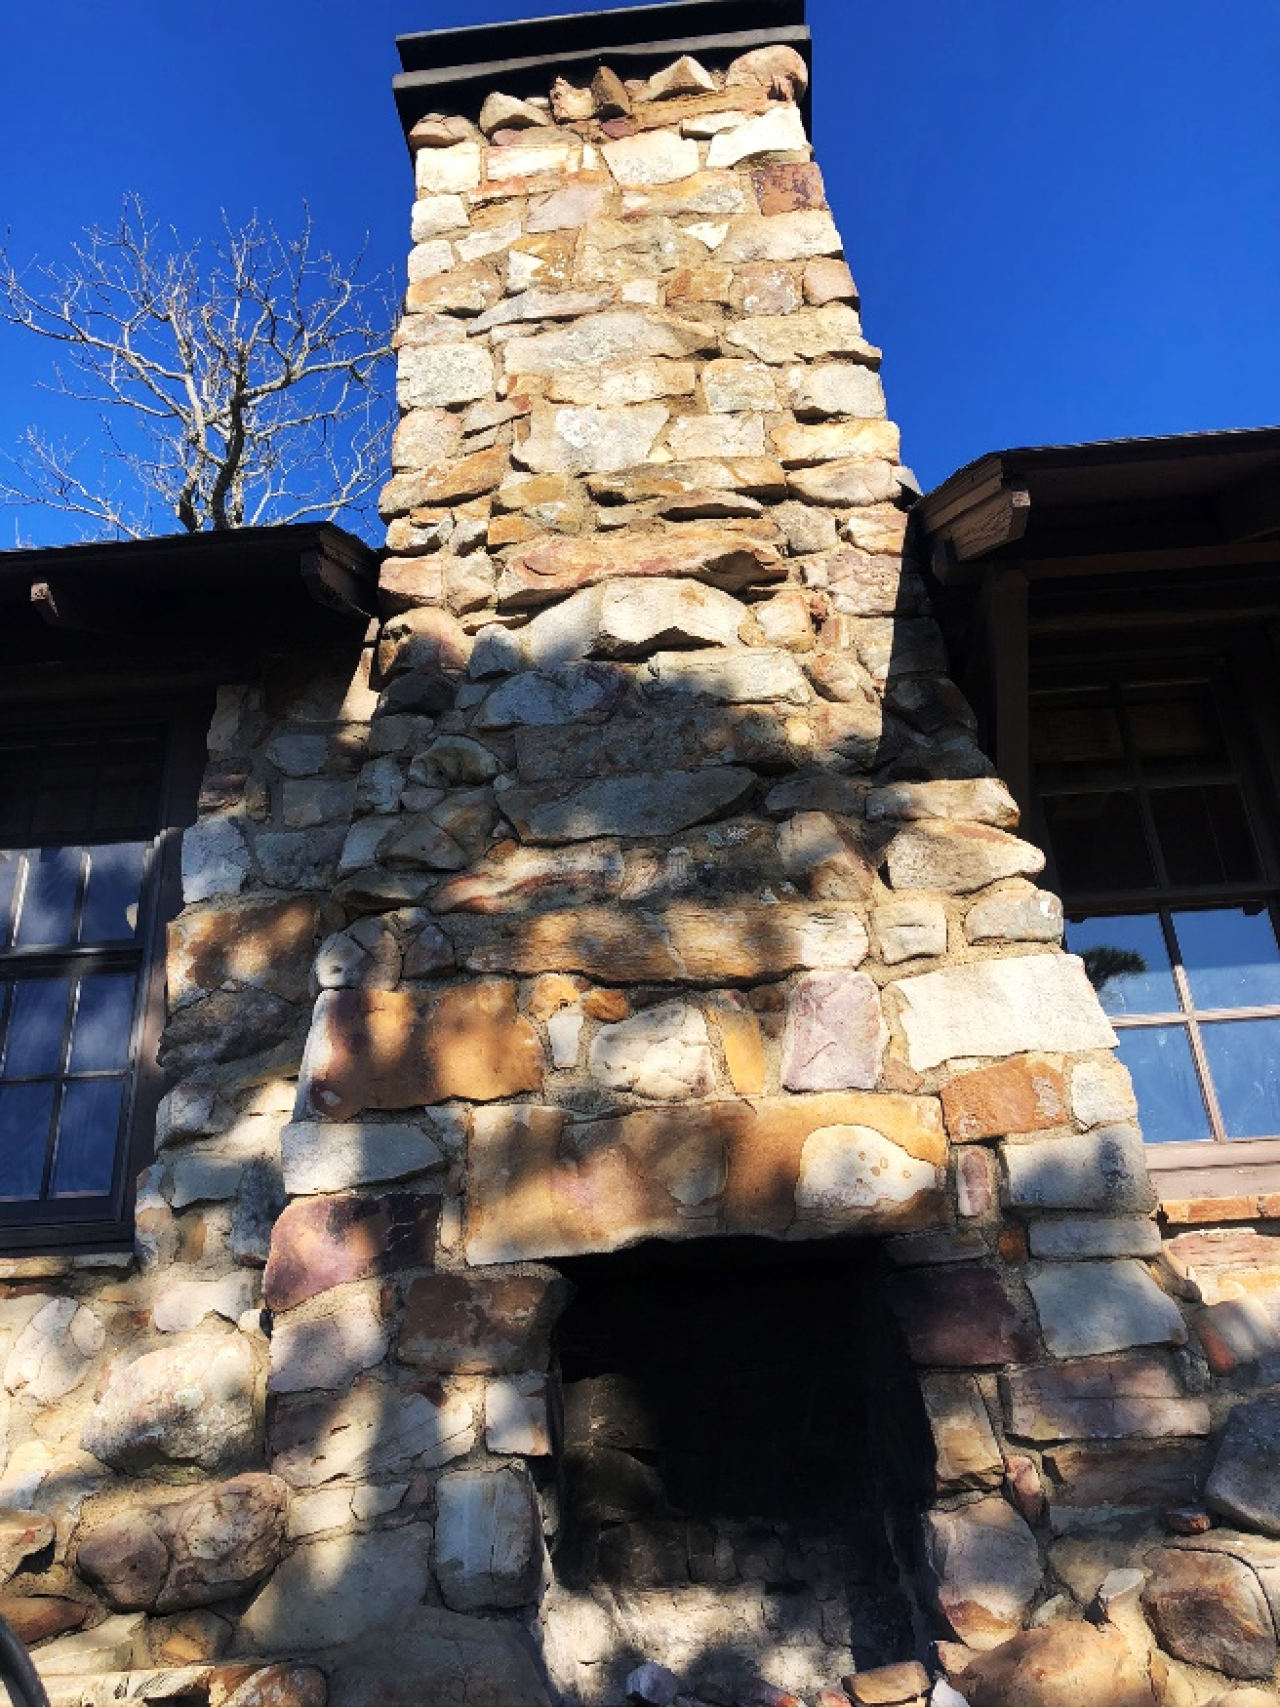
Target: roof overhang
1196, 500
131, 610
453, 70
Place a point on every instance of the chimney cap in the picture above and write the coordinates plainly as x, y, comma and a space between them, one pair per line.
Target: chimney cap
457, 68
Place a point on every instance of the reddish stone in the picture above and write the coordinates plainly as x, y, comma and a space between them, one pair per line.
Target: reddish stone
1209, 1610
37, 1617
321, 1242
1012, 1243
474, 1324
788, 189
959, 1318
1125, 1474
281, 1685
1023, 1482
1025, 1094
975, 1183
404, 1048
1102, 1398
767, 290
1188, 1520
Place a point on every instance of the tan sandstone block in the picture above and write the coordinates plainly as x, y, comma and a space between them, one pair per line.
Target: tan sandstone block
402, 1048
266, 944
715, 555
743, 1044
1025, 1094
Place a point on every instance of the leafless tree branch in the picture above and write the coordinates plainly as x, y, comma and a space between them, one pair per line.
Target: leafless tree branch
249, 385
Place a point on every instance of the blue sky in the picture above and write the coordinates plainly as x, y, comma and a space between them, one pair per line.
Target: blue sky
1064, 220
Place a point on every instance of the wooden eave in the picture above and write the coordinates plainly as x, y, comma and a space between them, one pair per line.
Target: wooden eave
1202, 501
147, 613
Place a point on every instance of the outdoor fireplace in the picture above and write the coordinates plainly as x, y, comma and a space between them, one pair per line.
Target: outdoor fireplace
742, 1447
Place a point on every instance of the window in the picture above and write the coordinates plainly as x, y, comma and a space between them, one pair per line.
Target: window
83, 812
1157, 841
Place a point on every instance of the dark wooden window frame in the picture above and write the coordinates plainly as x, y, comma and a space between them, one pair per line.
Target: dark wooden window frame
1232, 679
185, 720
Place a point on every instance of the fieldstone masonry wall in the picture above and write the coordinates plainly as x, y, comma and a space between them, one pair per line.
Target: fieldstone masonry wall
645, 882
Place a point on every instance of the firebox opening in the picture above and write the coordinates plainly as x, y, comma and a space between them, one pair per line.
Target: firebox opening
743, 1446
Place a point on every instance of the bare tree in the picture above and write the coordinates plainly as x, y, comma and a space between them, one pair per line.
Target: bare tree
249, 384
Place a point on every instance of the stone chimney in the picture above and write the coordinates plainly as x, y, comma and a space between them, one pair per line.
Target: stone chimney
684, 907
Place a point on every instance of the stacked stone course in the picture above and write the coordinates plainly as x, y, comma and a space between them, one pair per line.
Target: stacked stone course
645, 882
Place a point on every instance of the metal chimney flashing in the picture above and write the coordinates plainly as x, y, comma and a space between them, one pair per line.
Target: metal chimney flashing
457, 68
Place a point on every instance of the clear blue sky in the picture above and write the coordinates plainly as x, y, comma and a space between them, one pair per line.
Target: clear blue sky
1064, 219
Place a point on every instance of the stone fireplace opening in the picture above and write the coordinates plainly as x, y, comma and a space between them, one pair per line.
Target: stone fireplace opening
743, 1452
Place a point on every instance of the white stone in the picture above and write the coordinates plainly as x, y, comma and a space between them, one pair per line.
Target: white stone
429, 260
440, 374
1067, 1237
526, 160
758, 676
603, 340
446, 171
957, 856
491, 240
629, 619
117, 1644
779, 131
984, 800
694, 436
1102, 1092
1002, 1007
327, 1351
910, 928
835, 1035
1104, 1170
204, 1177
215, 860
371, 1501
54, 1352
564, 1028
435, 214
363, 839
729, 386
835, 388
591, 441
663, 1052
986, 1569
1018, 912
849, 1169
653, 157
334, 1590
509, 112
1089, 1308
184, 1304
802, 236
488, 1546
335, 1157
312, 1514
515, 1416
374, 1428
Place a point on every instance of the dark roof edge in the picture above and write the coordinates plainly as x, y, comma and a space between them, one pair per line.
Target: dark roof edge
523, 58
329, 564
976, 477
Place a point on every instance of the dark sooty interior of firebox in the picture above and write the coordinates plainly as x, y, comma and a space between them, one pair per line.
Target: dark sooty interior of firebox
741, 1412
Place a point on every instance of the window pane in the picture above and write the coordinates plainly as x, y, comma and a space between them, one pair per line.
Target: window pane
87, 1131
1176, 729
1127, 963
37, 1028
103, 1022
1075, 741
1244, 1062
49, 901
111, 899
1231, 957
1098, 842
24, 1139
1204, 834
1170, 1105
